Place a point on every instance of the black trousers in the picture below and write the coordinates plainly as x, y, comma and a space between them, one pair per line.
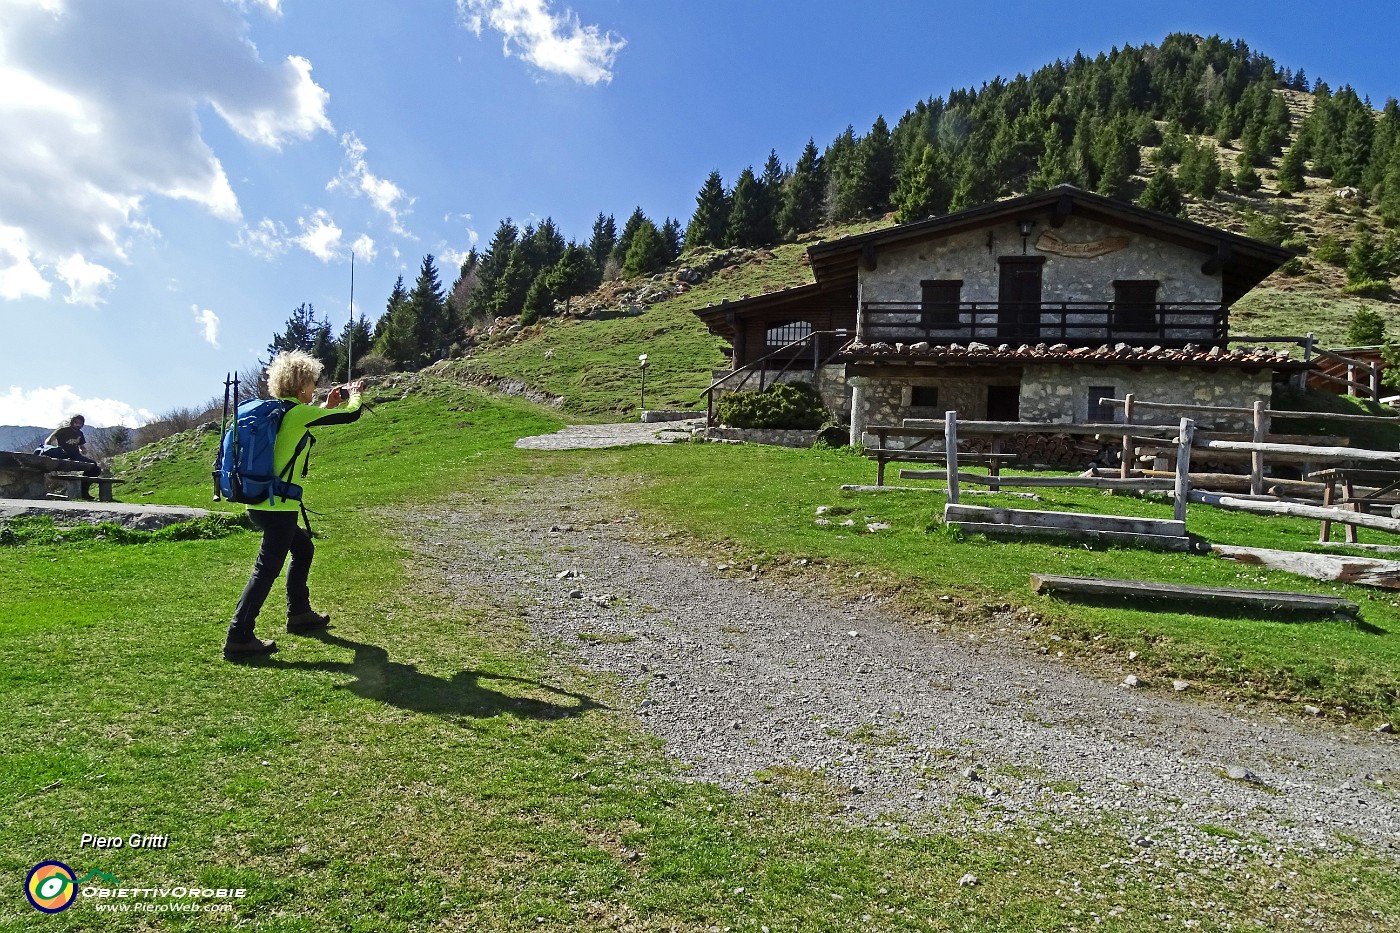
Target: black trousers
88, 466
281, 536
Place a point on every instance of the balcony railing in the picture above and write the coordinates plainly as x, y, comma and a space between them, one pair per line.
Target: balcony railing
1077, 323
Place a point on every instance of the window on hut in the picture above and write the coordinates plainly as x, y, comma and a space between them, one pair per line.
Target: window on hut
791, 332
1135, 304
940, 300
1099, 413
923, 396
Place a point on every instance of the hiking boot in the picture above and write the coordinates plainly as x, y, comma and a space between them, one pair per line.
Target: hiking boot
235, 650
308, 621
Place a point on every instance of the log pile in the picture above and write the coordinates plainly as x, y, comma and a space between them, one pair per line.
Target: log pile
1060, 451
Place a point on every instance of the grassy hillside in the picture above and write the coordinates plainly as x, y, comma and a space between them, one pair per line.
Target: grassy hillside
420, 766
592, 364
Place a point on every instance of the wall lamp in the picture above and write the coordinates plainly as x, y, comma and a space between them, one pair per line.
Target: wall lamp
1025, 226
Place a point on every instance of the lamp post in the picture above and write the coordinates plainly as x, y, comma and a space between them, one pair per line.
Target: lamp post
642, 361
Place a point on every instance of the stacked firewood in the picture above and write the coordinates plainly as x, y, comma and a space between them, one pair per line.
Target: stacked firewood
1060, 451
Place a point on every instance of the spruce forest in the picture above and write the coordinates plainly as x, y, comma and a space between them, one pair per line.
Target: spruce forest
1204, 128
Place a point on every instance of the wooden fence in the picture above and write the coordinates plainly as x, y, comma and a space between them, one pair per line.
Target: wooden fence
1121, 529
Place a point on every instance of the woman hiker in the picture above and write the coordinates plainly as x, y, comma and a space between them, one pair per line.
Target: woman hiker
291, 377
67, 443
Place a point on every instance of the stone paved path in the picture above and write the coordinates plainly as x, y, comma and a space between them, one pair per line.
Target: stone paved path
611, 435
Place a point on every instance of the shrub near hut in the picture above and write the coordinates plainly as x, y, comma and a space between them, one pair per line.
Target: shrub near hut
782, 405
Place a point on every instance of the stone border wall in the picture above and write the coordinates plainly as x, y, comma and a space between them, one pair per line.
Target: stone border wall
775, 437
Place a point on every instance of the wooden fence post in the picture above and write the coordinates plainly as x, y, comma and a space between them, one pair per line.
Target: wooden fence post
1256, 458
1183, 468
950, 447
1125, 466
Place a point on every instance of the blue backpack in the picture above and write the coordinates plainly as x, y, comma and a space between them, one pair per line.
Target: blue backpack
244, 471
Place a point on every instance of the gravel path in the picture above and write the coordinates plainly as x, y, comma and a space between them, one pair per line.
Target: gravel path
741, 673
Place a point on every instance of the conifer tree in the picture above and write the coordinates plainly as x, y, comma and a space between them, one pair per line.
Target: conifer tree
1246, 178
323, 346
459, 295
924, 191
603, 241
539, 301
1162, 194
711, 218
1200, 173
1116, 156
673, 237
646, 253
299, 333
1290, 171
434, 331
574, 273
355, 338
748, 222
629, 231
394, 332
481, 305
802, 195
1389, 200
839, 159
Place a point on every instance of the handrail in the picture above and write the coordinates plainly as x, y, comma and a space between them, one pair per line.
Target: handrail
1371, 388
1068, 320
709, 393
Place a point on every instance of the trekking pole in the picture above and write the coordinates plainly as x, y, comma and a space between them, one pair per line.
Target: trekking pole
218, 447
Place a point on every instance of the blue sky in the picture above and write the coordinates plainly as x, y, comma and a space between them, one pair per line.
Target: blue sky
177, 175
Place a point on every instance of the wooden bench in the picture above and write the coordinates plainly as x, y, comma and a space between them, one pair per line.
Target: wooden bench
73, 485
1380, 489
1267, 600
1160, 534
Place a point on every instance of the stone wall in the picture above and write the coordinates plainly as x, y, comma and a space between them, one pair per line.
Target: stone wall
830, 382
1061, 394
775, 437
967, 257
885, 401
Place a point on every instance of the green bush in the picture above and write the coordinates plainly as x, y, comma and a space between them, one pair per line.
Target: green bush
1330, 250
782, 405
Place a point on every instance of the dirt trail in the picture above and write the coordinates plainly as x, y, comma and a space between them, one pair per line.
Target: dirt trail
755, 679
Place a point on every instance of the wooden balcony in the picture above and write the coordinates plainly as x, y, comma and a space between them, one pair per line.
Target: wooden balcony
1076, 323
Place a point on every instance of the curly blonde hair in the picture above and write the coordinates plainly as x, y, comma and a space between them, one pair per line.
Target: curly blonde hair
291, 371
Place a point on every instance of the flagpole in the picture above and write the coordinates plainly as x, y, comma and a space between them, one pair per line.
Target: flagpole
350, 333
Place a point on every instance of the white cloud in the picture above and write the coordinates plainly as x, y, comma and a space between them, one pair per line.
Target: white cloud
364, 248
42, 407
19, 277
208, 323
556, 43
86, 281
101, 107
267, 240
355, 176
319, 236
449, 263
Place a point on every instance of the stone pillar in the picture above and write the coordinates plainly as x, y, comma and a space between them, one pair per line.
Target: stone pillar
857, 384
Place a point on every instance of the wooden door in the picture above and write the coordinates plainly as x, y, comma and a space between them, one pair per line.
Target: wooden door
1018, 297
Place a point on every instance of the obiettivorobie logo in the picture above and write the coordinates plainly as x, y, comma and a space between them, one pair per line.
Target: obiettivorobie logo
52, 886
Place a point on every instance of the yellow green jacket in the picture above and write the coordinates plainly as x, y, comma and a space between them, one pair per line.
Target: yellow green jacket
299, 420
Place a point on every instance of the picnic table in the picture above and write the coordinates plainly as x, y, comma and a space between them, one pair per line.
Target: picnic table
915, 450
1362, 490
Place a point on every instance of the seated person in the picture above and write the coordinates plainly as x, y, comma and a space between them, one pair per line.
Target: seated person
67, 443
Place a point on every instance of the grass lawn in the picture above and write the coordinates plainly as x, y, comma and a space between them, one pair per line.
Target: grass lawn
424, 766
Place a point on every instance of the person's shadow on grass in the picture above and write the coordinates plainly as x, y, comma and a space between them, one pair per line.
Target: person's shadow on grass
404, 686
